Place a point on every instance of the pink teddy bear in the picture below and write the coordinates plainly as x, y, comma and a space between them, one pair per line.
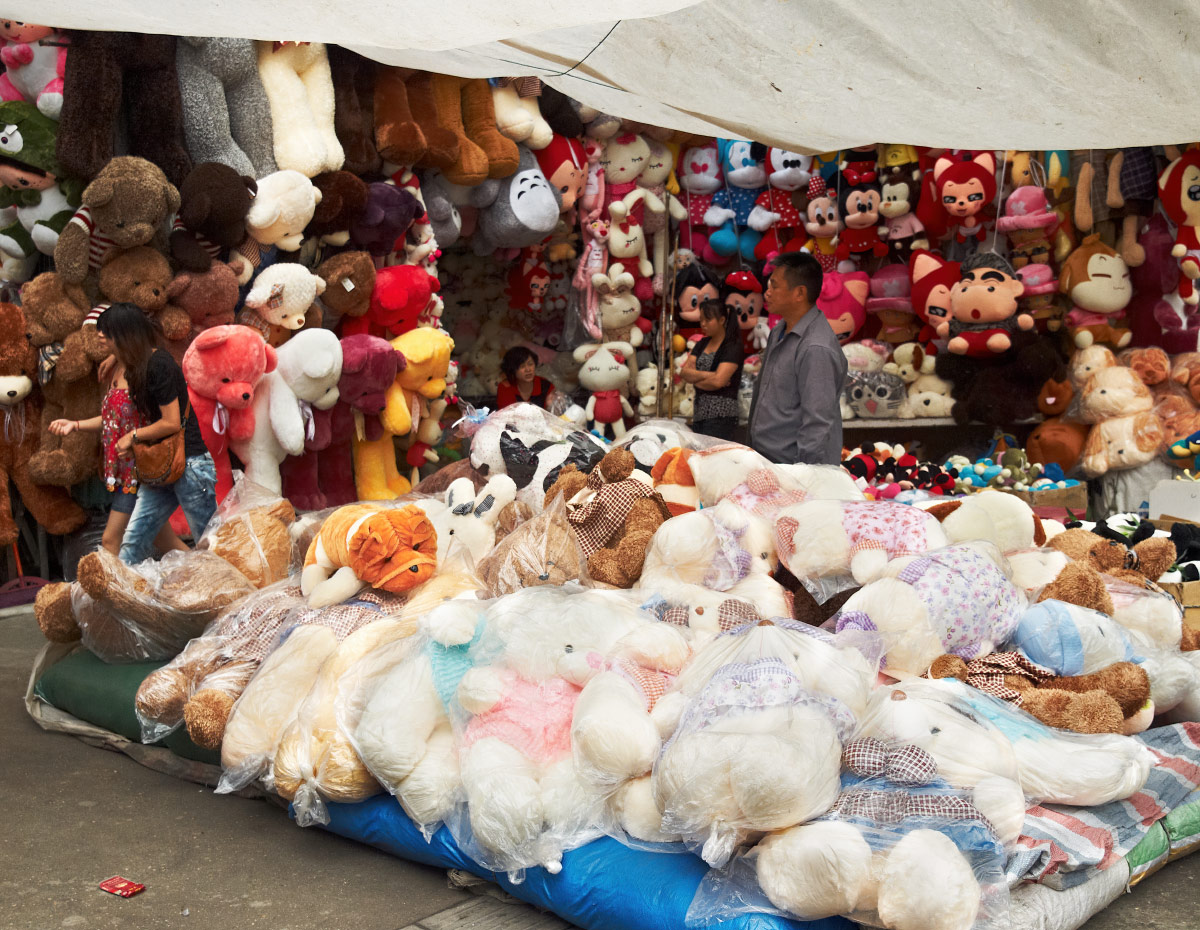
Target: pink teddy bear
35, 58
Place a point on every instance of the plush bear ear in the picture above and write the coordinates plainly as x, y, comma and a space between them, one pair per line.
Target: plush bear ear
99, 192
180, 283
320, 285
262, 214
212, 338
272, 359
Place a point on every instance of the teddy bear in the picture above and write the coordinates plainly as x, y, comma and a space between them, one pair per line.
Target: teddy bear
392, 549
390, 213
299, 90
957, 599
399, 297
1002, 519
139, 90
35, 60
281, 302
214, 200
142, 276
50, 506
349, 281
830, 545
209, 298
223, 366
278, 215
614, 511
68, 352
973, 735
517, 211
542, 550
126, 205
226, 114
305, 378
1125, 430
324, 476
343, 200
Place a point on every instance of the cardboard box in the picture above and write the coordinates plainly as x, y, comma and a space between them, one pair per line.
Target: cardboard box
1074, 499
1175, 501
1188, 595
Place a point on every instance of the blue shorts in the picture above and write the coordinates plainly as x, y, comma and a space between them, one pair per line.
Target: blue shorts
123, 501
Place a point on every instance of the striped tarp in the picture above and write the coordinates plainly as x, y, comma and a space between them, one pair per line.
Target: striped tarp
1064, 846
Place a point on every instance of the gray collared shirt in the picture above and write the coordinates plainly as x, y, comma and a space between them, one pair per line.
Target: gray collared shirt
795, 416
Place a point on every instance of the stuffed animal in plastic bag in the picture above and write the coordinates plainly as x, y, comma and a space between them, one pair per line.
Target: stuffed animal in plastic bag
957, 599
543, 550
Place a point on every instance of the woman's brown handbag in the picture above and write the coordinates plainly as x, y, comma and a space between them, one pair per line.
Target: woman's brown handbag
161, 463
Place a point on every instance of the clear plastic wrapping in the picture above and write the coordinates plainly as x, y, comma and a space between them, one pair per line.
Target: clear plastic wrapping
315, 760
529, 445
150, 611
649, 439
251, 531
957, 600
901, 848
541, 551
757, 722
832, 546
972, 736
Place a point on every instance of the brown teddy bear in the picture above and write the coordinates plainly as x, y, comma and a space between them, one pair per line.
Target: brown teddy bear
343, 201
349, 281
127, 205
1108, 701
543, 550
214, 201
68, 353
209, 298
613, 513
142, 276
51, 507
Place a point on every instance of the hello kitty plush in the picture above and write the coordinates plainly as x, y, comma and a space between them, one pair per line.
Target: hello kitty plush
605, 371
775, 213
699, 173
35, 60
729, 215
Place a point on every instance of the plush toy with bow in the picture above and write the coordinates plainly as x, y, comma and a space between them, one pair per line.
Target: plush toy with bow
699, 174
627, 243
604, 371
729, 215
823, 224
1175, 184
223, 367
859, 198
776, 214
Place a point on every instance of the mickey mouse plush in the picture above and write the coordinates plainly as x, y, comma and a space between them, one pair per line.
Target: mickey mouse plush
859, 200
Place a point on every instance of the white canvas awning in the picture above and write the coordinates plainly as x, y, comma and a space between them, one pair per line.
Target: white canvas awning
814, 76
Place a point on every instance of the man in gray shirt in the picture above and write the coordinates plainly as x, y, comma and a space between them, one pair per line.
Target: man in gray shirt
795, 415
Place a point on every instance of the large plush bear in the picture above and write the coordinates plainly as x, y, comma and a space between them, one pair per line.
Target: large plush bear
214, 201
223, 366
142, 276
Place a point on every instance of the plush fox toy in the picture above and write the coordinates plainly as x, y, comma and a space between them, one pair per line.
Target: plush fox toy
390, 548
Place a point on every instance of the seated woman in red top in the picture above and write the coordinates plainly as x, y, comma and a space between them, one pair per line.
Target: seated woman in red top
521, 384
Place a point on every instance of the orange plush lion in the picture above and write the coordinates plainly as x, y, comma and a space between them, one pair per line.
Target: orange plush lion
390, 548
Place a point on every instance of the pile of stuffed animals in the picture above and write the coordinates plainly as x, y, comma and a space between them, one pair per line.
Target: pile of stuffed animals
557, 637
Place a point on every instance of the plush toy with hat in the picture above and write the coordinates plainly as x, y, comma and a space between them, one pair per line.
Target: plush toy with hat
822, 223
776, 213
742, 294
1038, 300
1029, 224
1098, 282
891, 303
843, 300
35, 60
745, 179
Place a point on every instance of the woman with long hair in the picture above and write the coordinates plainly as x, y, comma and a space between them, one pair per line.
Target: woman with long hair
715, 368
159, 393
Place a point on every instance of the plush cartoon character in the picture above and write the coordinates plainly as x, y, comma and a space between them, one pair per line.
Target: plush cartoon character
305, 377
127, 205
604, 370
214, 201
627, 243
843, 300
282, 302
1098, 282
392, 549
1029, 224
37, 200
964, 191
729, 215
662, 206
622, 159
223, 366
900, 193
226, 113
1175, 185
299, 89
35, 60
564, 164
742, 295
699, 173
619, 310
983, 308
519, 211
695, 283
874, 395
1039, 299
776, 214
891, 303
51, 507
933, 278
282, 208
823, 224
140, 78
862, 235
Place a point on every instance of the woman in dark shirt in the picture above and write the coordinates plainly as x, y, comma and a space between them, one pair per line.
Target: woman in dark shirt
715, 368
521, 383
159, 391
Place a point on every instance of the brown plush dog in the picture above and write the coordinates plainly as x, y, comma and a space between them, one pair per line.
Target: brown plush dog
68, 353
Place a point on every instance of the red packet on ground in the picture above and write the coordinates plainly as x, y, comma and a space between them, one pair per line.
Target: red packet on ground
122, 887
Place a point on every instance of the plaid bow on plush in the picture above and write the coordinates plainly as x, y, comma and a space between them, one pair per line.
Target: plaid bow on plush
275, 299
47, 360
601, 514
987, 674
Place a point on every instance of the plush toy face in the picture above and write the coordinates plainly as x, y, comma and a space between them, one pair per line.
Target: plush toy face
659, 165
225, 363
428, 354
311, 365
530, 198
138, 276
700, 170
1107, 287
742, 163
129, 199
624, 158
627, 239
985, 295
932, 277
283, 293
898, 196
965, 187
860, 206
214, 202
395, 550
15, 31
210, 298
788, 171
876, 394
19, 178
53, 309
746, 307
282, 209
605, 367
823, 221
690, 299
1179, 188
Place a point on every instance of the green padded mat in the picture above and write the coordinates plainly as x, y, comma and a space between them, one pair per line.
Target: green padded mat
102, 694
1148, 856
1183, 827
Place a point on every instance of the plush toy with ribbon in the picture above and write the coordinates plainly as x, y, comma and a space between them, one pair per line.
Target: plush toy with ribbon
223, 367
627, 243
604, 371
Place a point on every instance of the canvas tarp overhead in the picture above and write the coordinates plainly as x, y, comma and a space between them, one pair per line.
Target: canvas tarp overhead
806, 75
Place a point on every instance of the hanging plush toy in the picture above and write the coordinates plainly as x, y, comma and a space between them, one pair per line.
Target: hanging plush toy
695, 283
891, 303
661, 205
859, 199
823, 224
699, 179
964, 191
932, 279
983, 308
729, 215
604, 371
775, 213
742, 295
901, 192
627, 243
35, 60
622, 159
843, 300
528, 281
1175, 189
1029, 224
1097, 279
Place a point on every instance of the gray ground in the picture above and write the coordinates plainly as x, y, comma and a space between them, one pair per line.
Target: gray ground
75, 815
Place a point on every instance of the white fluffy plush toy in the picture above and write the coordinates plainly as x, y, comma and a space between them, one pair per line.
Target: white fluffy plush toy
279, 302
604, 370
833, 545
1000, 518
957, 599
470, 516
306, 376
